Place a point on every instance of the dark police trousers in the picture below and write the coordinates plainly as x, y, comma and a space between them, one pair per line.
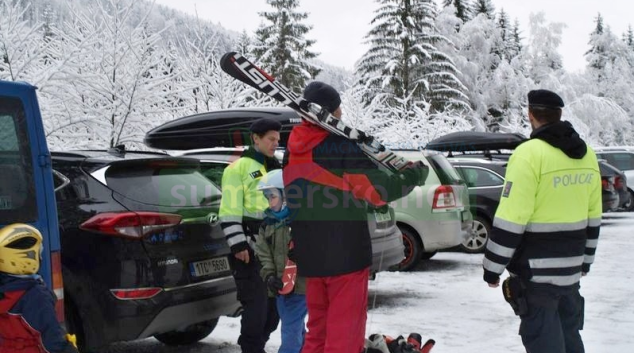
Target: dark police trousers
553, 320
259, 316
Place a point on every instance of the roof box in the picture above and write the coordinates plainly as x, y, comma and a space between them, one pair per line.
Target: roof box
220, 128
474, 141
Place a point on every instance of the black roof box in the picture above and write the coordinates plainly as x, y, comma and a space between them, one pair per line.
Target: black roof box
471, 141
220, 128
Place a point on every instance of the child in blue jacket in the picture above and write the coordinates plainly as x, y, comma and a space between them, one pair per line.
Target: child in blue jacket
27, 307
271, 247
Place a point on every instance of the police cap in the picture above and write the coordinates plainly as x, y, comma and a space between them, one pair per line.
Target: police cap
261, 126
542, 98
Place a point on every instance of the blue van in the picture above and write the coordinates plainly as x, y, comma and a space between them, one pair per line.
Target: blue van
27, 193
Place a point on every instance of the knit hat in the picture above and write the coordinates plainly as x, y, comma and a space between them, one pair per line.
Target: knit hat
323, 94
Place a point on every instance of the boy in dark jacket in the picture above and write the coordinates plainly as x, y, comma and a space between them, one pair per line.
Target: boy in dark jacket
27, 308
271, 248
329, 185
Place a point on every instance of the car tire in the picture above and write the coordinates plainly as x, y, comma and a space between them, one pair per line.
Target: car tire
477, 240
629, 206
190, 335
428, 255
413, 250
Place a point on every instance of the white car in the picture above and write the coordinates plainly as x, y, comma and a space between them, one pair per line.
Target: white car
621, 157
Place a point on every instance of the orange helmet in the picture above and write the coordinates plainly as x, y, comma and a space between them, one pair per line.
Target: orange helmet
20, 246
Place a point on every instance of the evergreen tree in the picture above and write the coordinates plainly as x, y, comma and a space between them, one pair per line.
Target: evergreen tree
515, 48
484, 6
506, 47
462, 9
403, 61
597, 54
282, 48
628, 37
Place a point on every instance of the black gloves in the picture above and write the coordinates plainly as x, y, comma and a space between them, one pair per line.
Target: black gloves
416, 174
290, 255
274, 283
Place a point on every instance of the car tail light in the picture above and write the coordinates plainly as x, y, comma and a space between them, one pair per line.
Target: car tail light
135, 293
130, 224
608, 184
618, 182
58, 284
444, 198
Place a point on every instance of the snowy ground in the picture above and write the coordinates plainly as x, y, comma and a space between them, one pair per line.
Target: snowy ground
445, 298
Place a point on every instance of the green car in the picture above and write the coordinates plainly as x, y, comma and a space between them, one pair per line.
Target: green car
434, 216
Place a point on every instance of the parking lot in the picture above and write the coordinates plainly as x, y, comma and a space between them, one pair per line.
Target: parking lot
445, 298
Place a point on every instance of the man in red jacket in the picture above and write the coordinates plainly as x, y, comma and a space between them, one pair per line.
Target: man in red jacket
329, 183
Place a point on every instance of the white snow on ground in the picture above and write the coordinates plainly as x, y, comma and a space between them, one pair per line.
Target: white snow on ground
446, 299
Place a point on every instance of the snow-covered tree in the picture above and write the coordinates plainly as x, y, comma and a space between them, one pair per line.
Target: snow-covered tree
462, 8
282, 47
541, 57
600, 38
507, 46
122, 76
485, 7
628, 37
403, 61
22, 47
603, 122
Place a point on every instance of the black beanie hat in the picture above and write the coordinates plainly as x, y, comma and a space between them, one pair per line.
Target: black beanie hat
323, 94
263, 125
543, 98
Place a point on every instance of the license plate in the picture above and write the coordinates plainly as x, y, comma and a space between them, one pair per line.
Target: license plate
382, 217
209, 267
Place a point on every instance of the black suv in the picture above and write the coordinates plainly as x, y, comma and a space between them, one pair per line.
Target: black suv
217, 138
142, 251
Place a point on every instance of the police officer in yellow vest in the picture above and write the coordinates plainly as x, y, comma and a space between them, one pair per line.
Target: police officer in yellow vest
546, 229
241, 213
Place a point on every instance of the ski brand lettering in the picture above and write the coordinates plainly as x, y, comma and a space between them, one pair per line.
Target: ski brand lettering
276, 90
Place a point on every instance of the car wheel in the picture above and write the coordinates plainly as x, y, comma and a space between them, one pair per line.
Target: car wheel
190, 335
629, 206
477, 240
413, 249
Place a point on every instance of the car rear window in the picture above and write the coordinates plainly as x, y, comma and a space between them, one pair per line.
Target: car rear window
163, 183
446, 172
623, 161
17, 185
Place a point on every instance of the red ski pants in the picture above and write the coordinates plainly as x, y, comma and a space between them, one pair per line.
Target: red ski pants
337, 312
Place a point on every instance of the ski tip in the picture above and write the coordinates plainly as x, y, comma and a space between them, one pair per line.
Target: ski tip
227, 59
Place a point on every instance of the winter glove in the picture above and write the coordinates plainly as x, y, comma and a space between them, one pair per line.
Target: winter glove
416, 174
291, 255
274, 283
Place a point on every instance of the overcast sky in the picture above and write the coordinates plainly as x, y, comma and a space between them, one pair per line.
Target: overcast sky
339, 26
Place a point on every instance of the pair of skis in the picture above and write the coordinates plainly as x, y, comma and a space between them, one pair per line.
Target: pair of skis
238, 67
387, 344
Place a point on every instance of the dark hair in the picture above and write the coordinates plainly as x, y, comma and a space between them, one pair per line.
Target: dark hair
545, 115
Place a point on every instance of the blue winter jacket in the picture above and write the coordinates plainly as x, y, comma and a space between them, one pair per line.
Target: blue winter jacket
37, 308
